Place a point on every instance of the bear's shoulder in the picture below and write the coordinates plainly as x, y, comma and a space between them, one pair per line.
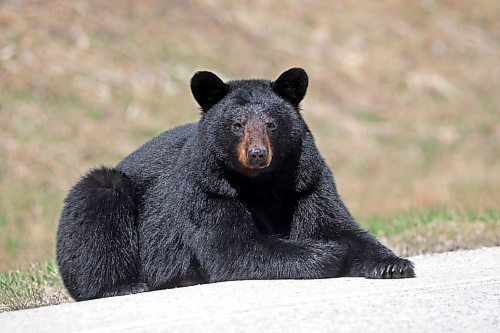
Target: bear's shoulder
311, 168
158, 155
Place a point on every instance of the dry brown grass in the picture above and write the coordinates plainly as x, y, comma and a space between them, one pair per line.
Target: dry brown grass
403, 100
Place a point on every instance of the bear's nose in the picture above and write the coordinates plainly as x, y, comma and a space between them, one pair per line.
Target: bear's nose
257, 157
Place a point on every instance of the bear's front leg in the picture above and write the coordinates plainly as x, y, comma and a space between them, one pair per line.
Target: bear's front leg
228, 246
369, 258
321, 215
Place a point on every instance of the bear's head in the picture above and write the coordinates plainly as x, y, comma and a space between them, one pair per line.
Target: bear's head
251, 126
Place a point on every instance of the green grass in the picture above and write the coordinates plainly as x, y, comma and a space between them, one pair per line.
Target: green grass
398, 223
35, 286
416, 231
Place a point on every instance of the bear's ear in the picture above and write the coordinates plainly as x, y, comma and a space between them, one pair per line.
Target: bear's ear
207, 89
292, 85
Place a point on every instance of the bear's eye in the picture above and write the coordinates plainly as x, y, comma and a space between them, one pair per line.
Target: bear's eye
271, 126
237, 126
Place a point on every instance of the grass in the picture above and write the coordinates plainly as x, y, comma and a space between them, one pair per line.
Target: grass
38, 285
416, 231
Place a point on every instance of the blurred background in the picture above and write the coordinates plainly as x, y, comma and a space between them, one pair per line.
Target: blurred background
404, 102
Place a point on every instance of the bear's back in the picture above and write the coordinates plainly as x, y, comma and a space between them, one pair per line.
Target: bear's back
157, 156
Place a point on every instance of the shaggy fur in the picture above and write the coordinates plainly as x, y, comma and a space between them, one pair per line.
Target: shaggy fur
184, 209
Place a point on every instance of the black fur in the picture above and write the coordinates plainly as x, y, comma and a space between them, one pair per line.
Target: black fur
97, 242
207, 89
292, 85
180, 210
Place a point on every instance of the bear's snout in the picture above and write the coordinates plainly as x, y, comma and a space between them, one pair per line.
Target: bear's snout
257, 157
254, 150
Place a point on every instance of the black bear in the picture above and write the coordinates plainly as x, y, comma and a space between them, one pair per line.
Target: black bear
242, 194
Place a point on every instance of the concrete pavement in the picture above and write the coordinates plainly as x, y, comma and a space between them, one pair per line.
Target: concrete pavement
454, 292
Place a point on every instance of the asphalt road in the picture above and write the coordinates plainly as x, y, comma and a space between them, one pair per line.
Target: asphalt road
454, 292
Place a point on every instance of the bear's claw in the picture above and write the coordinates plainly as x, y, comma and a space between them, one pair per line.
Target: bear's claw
398, 269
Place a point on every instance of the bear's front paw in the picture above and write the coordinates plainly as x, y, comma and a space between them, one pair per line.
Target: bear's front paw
396, 269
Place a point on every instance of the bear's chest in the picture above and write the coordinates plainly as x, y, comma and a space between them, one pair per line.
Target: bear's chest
271, 211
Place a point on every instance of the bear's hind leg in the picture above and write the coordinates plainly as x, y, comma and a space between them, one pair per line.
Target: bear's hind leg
97, 243
127, 289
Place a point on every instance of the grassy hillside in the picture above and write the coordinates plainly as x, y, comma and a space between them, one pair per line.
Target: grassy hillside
403, 99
